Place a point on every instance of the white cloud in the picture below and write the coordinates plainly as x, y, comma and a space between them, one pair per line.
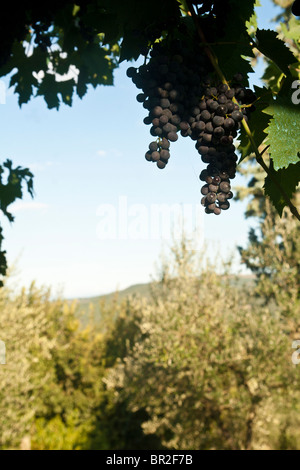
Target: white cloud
41, 166
27, 206
102, 153
113, 152
116, 152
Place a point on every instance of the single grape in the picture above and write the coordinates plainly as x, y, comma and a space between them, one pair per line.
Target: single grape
218, 121
222, 197
203, 175
161, 165
131, 72
153, 146
172, 136
163, 119
205, 115
219, 132
205, 190
164, 154
165, 144
237, 116
224, 205
155, 156
221, 110
211, 197
225, 187
157, 111
213, 188
141, 97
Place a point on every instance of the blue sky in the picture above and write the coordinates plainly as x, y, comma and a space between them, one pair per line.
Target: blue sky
88, 160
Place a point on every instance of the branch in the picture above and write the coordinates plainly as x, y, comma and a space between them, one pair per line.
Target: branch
214, 60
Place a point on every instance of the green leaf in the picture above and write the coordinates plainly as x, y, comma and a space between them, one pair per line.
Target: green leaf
12, 190
272, 47
251, 25
258, 123
288, 179
273, 76
233, 45
283, 132
66, 89
48, 89
131, 46
240, 13
291, 30
231, 58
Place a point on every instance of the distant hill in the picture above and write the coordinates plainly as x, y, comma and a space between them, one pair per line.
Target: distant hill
143, 290
85, 303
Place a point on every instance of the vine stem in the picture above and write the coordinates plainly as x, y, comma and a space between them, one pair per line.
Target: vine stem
214, 60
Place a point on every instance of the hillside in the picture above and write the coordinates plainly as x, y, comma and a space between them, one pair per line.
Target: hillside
87, 304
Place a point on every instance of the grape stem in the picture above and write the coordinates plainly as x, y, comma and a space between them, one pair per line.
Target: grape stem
212, 57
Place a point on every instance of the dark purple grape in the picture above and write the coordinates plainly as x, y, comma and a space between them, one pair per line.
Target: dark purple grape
213, 188
155, 156
225, 187
224, 205
172, 136
131, 72
203, 175
229, 124
157, 111
219, 132
153, 146
204, 190
163, 119
222, 197
165, 144
205, 115
164, 154
161, 165
218, 121
237, 116
211, 197
221, 110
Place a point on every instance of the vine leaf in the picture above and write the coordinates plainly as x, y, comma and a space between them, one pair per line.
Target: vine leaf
288, 179
274, 49
234, 47
273, 76
251, 24
283, 132
258, 123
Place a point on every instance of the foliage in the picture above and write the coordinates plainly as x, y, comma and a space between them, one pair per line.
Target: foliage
52, 380
9, 192
273, 254
203, 365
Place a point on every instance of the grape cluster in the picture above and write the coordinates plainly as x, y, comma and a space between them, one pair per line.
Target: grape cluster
180, 96
220, 120
170, 83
